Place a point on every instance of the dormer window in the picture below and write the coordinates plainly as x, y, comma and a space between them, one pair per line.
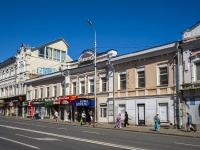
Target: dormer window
41, 52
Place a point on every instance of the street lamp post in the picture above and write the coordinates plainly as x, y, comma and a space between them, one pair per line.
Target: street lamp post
95, 71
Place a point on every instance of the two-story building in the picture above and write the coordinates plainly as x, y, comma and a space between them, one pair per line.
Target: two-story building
144, 85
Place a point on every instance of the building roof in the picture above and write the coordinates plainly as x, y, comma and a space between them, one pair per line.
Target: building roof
191, 28
7, 61
54, 41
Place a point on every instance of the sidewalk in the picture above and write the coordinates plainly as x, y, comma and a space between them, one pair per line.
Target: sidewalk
132, 128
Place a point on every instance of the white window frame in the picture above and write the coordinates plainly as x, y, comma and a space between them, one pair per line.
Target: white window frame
119, 83
55, 90
158, 74
137, 79
90, 78
47, 90
101, 83
103, 110
80, 85
41, 92
35, 93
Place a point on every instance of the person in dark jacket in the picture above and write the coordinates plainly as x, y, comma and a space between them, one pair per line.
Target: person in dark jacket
126, 120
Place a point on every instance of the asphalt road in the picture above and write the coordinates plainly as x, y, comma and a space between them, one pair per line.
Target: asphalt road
27, 135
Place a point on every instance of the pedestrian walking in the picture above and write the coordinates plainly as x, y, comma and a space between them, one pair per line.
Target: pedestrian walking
91, 117
157, 122
83, 117
126, 119
118, 121
189, 122
37, 114
56, 115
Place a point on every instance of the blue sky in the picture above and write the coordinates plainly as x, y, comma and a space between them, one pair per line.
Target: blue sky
125, 25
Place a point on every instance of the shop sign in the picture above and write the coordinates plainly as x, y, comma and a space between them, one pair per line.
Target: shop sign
68, 97
56, 102
65, 102
38, 103
45, 71
48, 103
82, 103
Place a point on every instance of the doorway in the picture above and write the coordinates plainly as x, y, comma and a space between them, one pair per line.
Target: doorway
163, 110
141, 114
122, 110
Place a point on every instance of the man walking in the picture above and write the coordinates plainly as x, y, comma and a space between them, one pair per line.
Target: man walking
126, 119
189, 122
157, 122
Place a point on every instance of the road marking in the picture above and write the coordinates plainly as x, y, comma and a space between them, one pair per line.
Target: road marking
40, 139
19, 143
91, 132
187, 144
62, 129
75, 138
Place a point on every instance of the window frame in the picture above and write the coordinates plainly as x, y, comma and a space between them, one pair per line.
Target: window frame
140, 77
122, 87
159, 67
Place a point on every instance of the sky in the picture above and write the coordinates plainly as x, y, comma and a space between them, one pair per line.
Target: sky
123, 25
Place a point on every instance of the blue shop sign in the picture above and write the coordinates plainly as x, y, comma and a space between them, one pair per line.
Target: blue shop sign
83, 102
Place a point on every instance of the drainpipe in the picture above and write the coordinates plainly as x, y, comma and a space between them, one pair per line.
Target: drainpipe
178, 84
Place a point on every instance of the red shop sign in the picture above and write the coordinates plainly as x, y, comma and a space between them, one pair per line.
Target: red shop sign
68, 97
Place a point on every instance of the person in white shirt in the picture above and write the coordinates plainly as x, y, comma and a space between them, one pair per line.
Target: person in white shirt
56, 115
83, 115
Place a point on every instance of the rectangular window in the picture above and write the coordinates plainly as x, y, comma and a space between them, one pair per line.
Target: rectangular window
55, 91
91, 82
63, 89
48, 92
198, 71
141, 79
49, 53
35, 92
41, 92
103, 112
82, 87
122, 81
103, 84
74, 87
56, 55
63, 56
41, 52
163, 76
